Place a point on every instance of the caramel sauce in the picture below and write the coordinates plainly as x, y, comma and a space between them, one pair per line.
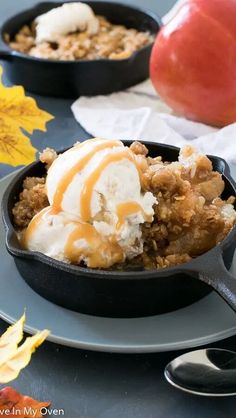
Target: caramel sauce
68, 177
101, 253
125, 209
33, 226
87, 191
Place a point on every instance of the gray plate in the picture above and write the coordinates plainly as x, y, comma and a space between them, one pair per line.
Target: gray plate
203, 322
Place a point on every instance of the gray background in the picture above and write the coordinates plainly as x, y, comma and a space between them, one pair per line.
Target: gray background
13, 6
97, 385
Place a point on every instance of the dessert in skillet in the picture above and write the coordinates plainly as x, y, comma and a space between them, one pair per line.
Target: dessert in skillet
105, 205
73, 32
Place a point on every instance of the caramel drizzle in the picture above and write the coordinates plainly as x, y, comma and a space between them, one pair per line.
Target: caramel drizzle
87, 190
79, 166
125, 209
80, 232
33, 226
101, 252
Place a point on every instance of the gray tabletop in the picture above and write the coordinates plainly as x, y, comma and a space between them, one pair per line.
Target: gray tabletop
97, 385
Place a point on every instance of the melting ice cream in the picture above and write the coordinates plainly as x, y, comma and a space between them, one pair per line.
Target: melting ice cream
96, 206
70, 17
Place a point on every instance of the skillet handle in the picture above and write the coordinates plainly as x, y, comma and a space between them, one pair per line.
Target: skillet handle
5, 51
5, 54
214, 273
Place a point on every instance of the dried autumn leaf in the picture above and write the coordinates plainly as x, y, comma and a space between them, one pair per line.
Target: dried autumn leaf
15, 147
11, 338
12, 404
14, 358
18, 112
11, 367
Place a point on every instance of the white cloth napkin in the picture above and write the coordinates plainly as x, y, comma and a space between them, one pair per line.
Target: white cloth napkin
139, 114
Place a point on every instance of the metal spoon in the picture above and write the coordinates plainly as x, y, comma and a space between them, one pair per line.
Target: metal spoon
207, 372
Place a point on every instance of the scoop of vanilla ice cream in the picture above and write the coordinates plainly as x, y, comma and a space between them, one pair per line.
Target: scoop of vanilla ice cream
64, 237
70, 17
117, 205
50, 234
94, 191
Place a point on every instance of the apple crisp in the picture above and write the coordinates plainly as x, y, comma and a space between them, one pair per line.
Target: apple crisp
190, 215
111, 42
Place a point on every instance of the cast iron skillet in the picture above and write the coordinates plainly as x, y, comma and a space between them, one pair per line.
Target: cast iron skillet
129, 293
75, 78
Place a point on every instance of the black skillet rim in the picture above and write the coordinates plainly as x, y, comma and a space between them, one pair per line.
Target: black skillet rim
96, 273
13, 53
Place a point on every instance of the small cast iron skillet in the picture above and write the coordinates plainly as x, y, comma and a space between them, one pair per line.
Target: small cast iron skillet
85, 77
127, 293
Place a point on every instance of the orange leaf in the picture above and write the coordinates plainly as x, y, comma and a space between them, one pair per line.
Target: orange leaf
13, 404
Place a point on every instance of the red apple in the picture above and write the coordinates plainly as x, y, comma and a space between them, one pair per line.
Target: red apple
193, 61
